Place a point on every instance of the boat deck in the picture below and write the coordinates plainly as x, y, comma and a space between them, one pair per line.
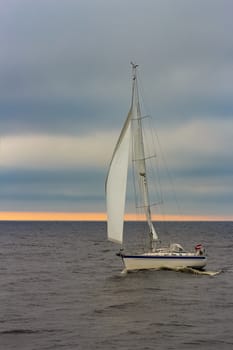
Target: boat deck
170, 254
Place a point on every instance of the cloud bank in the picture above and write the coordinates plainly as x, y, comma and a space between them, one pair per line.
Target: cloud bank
65, 91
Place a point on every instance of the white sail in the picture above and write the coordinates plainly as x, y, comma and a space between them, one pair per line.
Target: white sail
116, 184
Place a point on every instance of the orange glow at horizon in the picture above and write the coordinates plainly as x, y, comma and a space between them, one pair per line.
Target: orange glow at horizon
85, 216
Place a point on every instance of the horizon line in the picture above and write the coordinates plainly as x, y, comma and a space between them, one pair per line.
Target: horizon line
100, 216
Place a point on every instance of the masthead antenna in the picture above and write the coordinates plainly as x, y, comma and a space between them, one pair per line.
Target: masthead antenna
134, 65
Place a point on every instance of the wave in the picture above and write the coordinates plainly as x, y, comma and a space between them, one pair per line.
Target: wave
26, 331
196, 272
180, 269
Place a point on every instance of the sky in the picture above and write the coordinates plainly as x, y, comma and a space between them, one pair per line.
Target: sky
65, 91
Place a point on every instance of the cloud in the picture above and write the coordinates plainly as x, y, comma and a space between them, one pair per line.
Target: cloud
71, 74
203, 140
65, 171
56, 152
52, 189
65, 90
196, 140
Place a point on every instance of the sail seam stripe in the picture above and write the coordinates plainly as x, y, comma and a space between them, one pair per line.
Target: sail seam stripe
149, 157
140, 118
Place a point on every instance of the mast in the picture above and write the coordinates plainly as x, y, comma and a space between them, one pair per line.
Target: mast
139, 155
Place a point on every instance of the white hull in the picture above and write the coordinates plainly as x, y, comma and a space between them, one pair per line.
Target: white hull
150, 261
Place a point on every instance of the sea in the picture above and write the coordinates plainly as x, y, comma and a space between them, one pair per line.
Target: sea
62, 287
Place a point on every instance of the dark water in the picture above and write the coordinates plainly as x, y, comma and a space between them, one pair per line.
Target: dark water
61, 288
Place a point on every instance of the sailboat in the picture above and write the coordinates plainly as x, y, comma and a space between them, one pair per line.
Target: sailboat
130, 148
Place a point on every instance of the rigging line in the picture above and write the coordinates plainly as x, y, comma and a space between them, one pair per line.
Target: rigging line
141, 89
136, 200
158, 189
138, 188
151, 205
141, 239
169, 176
155, 172
158, 176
